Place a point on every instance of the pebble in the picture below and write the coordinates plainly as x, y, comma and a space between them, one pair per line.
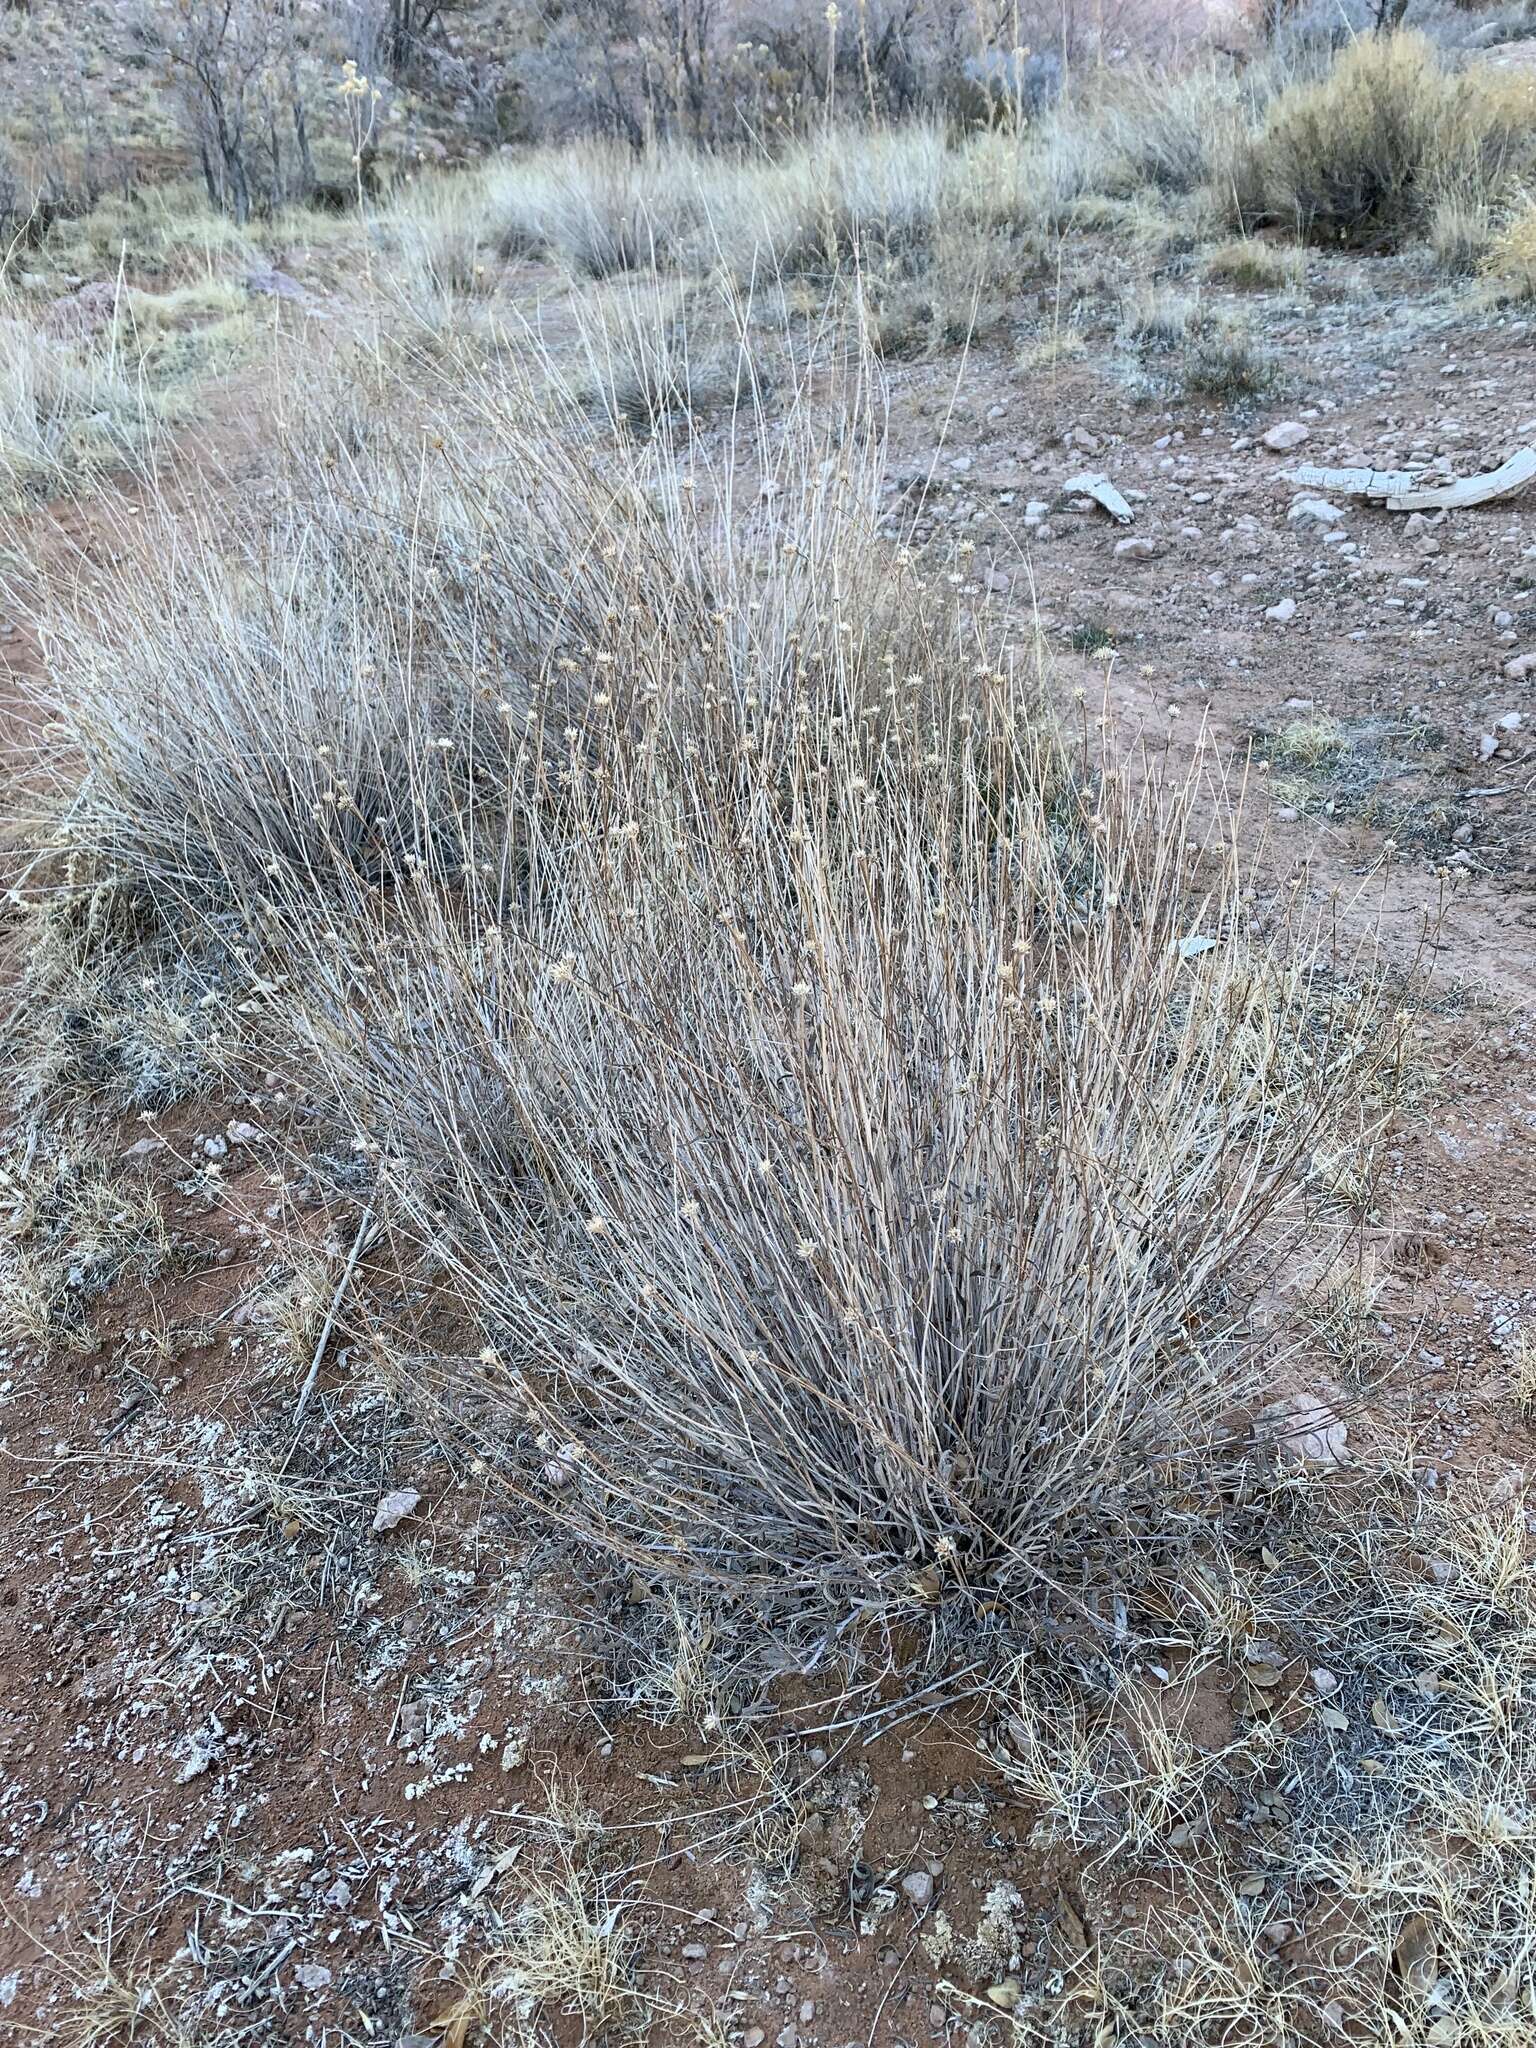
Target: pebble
1285, 435
1139, 548
394, 1507
1522, 666
1283, 612
918, 1887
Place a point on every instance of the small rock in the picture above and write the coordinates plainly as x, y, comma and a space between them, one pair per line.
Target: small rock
560, 1470
1314, 512
242, 1134
1487, 746
275, 284
394, 1507
918, 1887
1304, 1429
85, 312
1522, 666
1283, 612
1510, 722
1324, 1682
1286, 435
311, 1976
1139, 548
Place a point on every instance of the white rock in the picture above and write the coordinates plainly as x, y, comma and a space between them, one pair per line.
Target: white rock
1283, 612
1139, 548
1305, 1430
917, 1886
1314, 512
560, 1470
1487, 746
394, 1507
1285, 435
1522, 666
1510, 722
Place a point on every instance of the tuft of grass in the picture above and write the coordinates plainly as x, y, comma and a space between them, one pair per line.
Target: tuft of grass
961, 294
1510, 261
566, 1950
1309, 742
1460, 231
1249, 265
1522, 1371
658, 353
72, 1230
1183, 346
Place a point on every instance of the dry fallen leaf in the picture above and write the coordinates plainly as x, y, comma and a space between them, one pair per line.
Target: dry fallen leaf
1073, 1933
1415, 1956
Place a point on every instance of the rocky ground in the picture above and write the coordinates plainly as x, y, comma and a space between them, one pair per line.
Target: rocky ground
295, 1711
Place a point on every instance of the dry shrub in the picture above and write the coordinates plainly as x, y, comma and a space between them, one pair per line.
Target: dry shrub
857, 1196
963, 292
849, 1172
1361, 155
655, 353
836, 1117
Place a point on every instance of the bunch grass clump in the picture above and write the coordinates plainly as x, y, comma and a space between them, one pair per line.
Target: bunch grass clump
829, 1101
71, 407
804, 1080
